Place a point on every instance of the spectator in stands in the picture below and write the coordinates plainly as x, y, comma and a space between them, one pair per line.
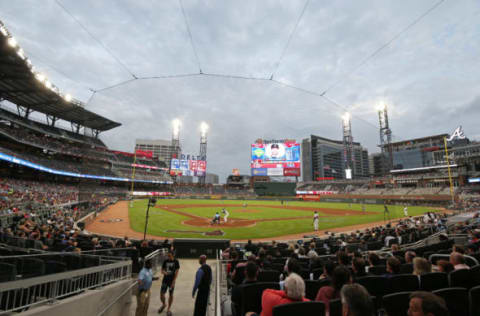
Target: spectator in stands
267, 263
312, 253
356, 301
292, 267
393, 267
232, 264
358, 268
421, 266
328, 270
458, 261
261, 257
301, 253
471, 250
251, 274
427, 304
203, 280
459, 249
340, 277
170, 269
444, 266
238, 278
292, 256
294, 292
250, 247
343, 258
409, 255
145, 277
373, 260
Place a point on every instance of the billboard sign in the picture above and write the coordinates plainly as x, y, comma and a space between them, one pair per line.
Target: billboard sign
188, 167
275, 156
275, 172
259, 171
291, 172
316, 192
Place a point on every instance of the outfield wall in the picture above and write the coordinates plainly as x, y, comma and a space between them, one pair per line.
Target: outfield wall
427, 200
432, 200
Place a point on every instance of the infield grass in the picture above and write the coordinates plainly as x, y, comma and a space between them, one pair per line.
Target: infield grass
161, 220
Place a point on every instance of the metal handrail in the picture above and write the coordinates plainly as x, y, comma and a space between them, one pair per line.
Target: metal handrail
157, 257
21, 294
19, 284
135, 283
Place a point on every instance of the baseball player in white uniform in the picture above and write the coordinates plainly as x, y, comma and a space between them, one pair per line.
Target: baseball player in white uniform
405, 211
225, 214
315, 220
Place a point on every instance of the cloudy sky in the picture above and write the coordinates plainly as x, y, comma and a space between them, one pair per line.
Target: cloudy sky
429, 76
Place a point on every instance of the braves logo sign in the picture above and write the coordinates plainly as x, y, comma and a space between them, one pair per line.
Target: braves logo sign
457, 134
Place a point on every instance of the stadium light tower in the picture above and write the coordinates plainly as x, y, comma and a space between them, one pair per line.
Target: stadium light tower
348, 152
385, 139
203, 148
176, 124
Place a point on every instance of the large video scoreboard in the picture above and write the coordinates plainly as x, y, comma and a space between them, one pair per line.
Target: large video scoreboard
275, 158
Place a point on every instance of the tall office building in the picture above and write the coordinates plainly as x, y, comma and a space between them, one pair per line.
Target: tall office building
162, 149
325, 158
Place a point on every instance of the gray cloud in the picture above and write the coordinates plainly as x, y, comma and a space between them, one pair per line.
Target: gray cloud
428, 77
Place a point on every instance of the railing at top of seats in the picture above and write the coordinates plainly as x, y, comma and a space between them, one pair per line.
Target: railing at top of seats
22, 294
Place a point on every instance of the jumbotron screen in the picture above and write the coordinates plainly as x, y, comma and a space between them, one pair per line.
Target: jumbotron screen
187, 167
275, 158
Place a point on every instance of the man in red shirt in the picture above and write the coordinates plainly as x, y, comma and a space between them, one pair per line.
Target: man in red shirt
294, 292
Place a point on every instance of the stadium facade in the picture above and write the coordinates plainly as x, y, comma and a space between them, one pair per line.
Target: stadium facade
417, 152
325, 158
211, 178
161, 149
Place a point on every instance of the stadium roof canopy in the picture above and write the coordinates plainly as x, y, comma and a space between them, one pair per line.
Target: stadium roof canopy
23, 86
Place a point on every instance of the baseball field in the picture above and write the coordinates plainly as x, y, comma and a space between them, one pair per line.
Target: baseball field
254, 219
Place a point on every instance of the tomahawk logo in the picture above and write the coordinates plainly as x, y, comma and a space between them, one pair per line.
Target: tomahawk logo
458, 134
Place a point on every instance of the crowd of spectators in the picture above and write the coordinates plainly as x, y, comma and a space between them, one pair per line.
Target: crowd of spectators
56, 144
338, 263
64, 154
16, 194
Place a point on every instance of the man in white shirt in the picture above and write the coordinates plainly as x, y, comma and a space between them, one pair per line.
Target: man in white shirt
405, 211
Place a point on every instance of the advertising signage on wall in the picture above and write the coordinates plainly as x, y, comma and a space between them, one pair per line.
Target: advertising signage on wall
188, 167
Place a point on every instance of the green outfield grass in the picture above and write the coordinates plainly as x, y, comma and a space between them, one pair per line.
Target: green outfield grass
160, 220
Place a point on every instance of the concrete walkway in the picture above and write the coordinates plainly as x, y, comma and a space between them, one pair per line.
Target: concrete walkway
183, 303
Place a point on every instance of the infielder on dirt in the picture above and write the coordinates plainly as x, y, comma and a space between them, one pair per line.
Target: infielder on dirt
225, 214
315, 220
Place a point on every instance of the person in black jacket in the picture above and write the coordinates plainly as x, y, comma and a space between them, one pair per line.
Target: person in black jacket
203, 279
251, 274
